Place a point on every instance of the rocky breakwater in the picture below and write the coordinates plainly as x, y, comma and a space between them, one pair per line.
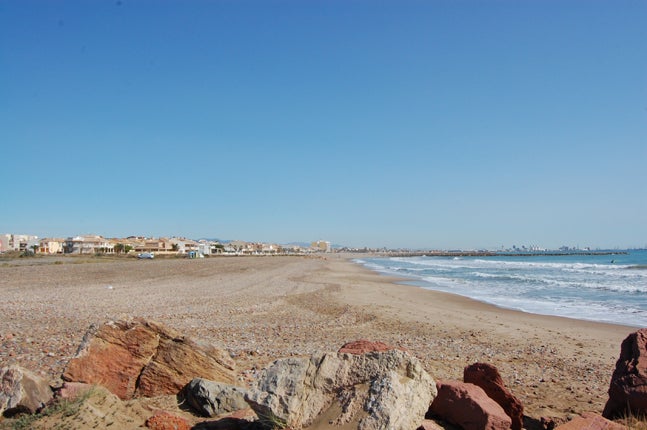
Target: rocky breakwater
364, 385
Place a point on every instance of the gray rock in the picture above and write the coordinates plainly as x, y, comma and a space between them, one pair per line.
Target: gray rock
211, 398
376, 390
22, 392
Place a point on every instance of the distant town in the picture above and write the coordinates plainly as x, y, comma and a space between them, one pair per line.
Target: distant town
149, 247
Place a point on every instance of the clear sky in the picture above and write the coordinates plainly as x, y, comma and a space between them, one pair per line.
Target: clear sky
422, 124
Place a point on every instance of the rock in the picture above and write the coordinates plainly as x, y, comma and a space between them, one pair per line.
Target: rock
628, 388
590, 421
72, 390
166, 421
247, 414
232, 423
547, 423
22, 392
376, 390
468, 407
488, 378
210, 398
363, 346
142, 358
430, 425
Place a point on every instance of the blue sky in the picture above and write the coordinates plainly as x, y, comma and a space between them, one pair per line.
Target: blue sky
423, 124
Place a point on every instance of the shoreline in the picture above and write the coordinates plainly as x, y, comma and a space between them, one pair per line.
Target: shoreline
480, 305
557, 366
495, 253
261, 309
530, 306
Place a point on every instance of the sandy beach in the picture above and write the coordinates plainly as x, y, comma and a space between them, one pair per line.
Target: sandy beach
263, 308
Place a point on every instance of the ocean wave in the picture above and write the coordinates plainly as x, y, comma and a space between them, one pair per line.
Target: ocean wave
583, 289
479, 263
552, 265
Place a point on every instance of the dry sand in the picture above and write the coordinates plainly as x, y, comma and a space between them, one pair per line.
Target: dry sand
263, 308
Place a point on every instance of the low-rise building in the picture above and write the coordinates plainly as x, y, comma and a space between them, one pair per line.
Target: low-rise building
161, 245
17, 242
5, 240
88, 244
183, 245
51, 246
321, 246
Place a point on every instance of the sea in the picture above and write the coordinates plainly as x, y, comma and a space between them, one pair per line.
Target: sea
608, 288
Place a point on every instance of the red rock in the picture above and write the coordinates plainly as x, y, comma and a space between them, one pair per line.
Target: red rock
362, 346
590, 421
167, 421
547, 423
142, 358
468, 407
628, 388
488, 378
72, 390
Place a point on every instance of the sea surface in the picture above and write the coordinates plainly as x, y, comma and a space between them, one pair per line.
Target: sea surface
605, 288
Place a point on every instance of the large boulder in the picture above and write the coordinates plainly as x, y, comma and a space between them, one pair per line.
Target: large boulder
469, 407
488, 378
590, 421
628, 388
142, 358
210, 398
22, 392
377, 390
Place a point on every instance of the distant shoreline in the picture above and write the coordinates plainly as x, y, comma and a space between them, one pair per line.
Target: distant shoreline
496, 254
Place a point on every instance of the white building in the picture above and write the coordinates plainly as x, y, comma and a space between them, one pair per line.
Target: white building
5, 239
204, 247
88, 245
16, 242
321, 246
183, 245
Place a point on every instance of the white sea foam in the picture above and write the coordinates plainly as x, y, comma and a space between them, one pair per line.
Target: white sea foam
584, 287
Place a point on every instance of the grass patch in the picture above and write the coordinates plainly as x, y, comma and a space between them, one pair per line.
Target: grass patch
65, 408
633, 422
272, 422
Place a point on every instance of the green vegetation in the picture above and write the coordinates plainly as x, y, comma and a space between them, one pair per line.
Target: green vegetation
64, 408
273, 422
633, 422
